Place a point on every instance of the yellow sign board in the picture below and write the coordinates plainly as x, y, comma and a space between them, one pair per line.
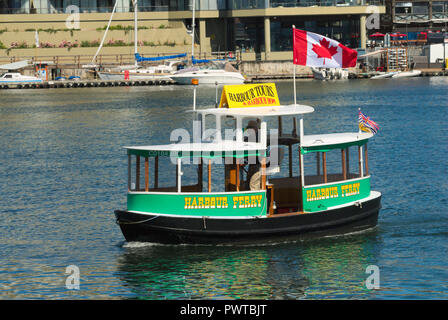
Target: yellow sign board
249, 95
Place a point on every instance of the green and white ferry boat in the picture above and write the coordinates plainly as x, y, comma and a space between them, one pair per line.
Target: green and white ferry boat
250, 201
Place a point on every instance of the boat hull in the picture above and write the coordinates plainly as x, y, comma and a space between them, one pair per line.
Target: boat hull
111, 76
209, 79
204, 230
407, 74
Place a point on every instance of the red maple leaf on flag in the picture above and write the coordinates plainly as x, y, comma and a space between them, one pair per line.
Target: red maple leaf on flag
324, 49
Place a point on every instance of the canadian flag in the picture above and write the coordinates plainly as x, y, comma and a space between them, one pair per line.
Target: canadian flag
314, 50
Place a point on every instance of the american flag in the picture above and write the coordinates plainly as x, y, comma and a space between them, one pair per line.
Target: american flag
367, 125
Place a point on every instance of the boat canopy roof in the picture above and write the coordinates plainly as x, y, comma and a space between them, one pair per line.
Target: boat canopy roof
326, 142
224, 148
262, 111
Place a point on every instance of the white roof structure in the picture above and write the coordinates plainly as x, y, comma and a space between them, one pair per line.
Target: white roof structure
267, 111
334, 138
204, 147
15, 65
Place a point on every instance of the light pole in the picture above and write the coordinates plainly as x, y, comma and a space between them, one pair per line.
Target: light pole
444, 45
407, 38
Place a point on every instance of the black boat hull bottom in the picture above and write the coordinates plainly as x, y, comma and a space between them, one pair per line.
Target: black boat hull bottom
204, 230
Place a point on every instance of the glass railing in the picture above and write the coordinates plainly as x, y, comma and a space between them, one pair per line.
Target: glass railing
218, 5
323, 3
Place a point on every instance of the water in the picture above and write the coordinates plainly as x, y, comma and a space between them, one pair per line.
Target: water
64, 172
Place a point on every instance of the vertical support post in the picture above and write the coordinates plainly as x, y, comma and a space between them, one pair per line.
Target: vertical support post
294, 130
200, 167
301, 164
290, 160
367, 159
209, 175
280, 126
218, 129
179, 175
263, 173
237, 172
362, 31
146, 174
301, 187
202, 36
239, 129
318, 163
129, 172
361, 169
344, 165
137, 173
324, 164
267, 37
156, 172
348, 162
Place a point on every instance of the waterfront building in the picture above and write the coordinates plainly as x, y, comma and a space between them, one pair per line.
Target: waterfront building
415, 16
259, 29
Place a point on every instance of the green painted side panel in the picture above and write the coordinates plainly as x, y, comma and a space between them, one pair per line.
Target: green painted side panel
200, 204
327, 148
332, 194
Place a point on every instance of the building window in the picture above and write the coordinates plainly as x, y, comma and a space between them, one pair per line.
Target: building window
440, 7
249, 34
420, 8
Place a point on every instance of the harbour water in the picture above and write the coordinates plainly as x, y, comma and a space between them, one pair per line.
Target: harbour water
64, 172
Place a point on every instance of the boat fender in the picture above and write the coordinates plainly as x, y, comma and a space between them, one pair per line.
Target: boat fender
203, 220
358, 204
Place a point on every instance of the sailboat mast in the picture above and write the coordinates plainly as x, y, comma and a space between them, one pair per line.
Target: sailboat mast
135, 31
192, 31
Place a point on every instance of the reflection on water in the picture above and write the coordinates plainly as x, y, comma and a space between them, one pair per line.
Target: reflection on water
63, 173
326, 268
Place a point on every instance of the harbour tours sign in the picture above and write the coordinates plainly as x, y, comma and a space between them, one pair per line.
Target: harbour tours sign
249, 95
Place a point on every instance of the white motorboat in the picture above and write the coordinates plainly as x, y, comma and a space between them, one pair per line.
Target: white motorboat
384, 75
16, 77
407, 74
213, 74
398, 74
329, 73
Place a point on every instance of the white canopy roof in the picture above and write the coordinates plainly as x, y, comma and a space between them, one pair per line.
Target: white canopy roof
270, 111
334, 138
222, 146
15, 65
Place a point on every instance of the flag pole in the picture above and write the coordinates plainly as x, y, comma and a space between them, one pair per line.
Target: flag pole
294, 65
359, 128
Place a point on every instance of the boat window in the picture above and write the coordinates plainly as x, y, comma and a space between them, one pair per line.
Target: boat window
334, 165
8, 76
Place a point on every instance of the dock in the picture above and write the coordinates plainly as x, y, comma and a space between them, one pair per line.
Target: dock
85, 84
123, 83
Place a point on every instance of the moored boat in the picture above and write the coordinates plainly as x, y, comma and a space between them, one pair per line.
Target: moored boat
17, 78
407, 74
215, 73
252, 202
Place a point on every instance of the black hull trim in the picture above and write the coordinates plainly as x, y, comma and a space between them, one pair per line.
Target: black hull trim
180, 230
